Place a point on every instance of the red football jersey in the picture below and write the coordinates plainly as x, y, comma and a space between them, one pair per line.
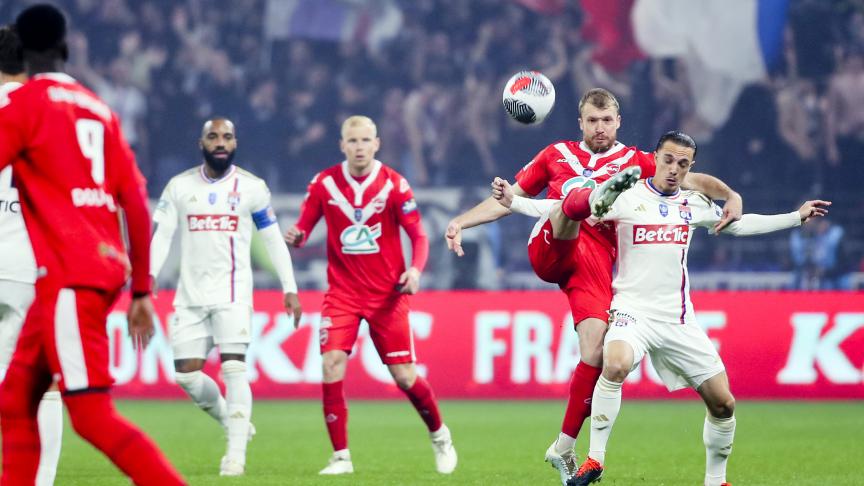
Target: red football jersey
565, 165
364, 249
74, 170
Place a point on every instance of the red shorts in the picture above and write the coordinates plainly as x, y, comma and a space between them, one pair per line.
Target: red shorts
582, 268
388, 326
65, 335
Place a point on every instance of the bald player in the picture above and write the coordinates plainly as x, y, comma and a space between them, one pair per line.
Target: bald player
215, 206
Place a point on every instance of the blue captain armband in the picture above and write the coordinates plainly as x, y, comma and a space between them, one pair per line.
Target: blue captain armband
264, 217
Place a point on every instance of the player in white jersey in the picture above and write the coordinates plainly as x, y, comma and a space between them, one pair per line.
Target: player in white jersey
215, 207
18, 274
651, 308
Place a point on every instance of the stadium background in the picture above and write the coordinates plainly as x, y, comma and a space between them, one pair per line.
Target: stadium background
773, 90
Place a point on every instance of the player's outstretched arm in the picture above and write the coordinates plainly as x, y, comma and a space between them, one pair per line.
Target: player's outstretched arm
717, 190
503, 192
487, 211
757, 224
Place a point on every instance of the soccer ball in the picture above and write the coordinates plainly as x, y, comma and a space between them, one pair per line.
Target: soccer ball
529, 97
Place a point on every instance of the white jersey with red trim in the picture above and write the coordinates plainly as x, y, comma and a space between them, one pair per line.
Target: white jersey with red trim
16, 254
215, 219
654, 231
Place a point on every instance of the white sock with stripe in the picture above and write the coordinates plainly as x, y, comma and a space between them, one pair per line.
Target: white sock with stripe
238, 395
717, 435
205, 393
605, 405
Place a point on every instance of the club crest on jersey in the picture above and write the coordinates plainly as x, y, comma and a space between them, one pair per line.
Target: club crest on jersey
233, 199
378, 204
360, 239
664, 210
612, 169
684, 212
211, 198
577, 182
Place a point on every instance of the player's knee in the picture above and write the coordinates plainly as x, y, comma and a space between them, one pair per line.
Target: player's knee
724, 408
616, 370
187, 380
234, 368
404, 377
188, 365
333, 366
89, 412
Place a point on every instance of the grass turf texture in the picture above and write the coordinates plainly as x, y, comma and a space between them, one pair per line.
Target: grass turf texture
503, 442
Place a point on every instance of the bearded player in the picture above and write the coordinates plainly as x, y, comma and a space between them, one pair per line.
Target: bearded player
364, 203
74, 171
216, 206
578, 257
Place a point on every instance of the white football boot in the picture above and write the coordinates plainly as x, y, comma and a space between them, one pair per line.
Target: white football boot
339, 463
231, 466
566, 463
602, 198
445, 453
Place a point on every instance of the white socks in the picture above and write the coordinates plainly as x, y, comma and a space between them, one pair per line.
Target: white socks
50, 419
717, 435
205, 393
238, 396
605, 405
564, 443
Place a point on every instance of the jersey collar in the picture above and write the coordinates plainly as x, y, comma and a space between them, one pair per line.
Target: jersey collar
208, 180
58, 77
360, 187
650, 185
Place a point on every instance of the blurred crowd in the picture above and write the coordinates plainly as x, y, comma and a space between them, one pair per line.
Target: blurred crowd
430, 73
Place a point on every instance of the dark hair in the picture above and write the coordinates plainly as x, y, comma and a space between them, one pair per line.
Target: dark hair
678, 138
11, 61
42, 29
599, 98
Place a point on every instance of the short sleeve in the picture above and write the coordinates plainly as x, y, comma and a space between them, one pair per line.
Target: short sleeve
645, 161
534, 177
707, 212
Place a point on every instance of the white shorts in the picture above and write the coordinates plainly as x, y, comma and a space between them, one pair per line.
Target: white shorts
682, 354
15, 299
214, 324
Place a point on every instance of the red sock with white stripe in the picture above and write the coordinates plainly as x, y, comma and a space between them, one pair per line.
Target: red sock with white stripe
582, 384
423, 399
336, 414
576, 205
95, 419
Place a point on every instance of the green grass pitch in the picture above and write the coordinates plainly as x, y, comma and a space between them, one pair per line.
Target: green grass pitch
499, 442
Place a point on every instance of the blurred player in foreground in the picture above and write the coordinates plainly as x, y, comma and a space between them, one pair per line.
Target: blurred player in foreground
215, 206
18, 274
651, 308
364, 203
578, 257
74, 169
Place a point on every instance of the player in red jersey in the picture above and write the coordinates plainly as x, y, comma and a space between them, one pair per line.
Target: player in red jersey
74, 170
579, 257
364, 203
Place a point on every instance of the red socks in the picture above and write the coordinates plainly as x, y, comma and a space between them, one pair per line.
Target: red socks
19, 402
94, 418
423, 399
582, 384
336, 415
575, 205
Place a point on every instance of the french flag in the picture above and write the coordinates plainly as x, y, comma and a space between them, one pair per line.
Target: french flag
724, 44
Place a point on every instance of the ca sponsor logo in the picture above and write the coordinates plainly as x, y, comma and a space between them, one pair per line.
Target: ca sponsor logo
360, 239
661, 234
212, 222
577, 182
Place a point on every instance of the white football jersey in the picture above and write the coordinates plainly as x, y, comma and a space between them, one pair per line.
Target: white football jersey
16, 255
654, 233
216, 221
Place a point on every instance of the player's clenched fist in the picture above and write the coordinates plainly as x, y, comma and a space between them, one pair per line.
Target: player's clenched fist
502, 191
813, 209
454, 238
294, 236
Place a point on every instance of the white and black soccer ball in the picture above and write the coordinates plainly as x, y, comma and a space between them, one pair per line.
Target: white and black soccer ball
529, 97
